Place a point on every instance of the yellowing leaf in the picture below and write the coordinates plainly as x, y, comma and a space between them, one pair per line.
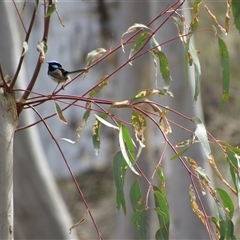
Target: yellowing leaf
94, 55
219, 175
139, 126
98, 88
78, 223
195, 207
60, 114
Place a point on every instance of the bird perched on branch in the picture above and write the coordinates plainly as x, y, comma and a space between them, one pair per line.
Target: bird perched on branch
58, 74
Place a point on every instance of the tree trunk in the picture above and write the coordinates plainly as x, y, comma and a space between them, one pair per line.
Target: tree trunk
8, 120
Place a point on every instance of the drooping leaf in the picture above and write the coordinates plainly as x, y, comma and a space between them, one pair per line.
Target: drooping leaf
163, 121
106, 123
205, 181
139, 125
94, 55
139, 219
227, 202
79, 222
179, 154
155, 46
180, 23
163, 64
98, 88
71, 141
119, 171
218, 173
59, 113
236, 13
85, 119
127, 147
96, 133
201, 134
234, 165
138, 44
162, 210
161, 178
214, 18
197, 70
223, 51
194, 23
133, 28
195, 207
223, 224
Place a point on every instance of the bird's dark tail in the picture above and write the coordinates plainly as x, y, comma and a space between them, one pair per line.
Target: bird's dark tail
76, 71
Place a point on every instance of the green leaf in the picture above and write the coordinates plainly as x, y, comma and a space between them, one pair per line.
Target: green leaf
155, 45
227, 202
190, 58
139, 219
94, 55
163, 63
236, 13
85, 119
51, 10
96, 133
119, 172
201, 134
194, 23
161, 180
99, 87
224, 225
59, 113
127, 147
162, 210
138, 44
234, 166
223, 51
197, 70
133, 28
179, 153
187, 60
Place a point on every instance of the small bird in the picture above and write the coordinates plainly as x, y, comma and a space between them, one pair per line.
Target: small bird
58, 74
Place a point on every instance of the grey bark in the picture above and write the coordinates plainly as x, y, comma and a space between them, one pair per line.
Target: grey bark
8, 120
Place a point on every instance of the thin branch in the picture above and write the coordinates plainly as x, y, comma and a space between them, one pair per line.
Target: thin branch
70, 171
26, 94
26, 40
19, 15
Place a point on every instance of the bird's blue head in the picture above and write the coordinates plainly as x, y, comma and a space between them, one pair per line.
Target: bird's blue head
53, 65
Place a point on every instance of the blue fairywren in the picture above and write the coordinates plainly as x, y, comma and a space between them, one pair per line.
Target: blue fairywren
58, 74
